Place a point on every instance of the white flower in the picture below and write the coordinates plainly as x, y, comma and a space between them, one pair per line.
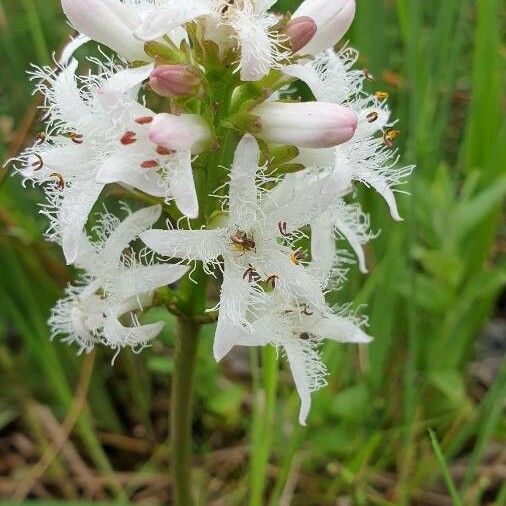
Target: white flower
298, 330
306, 124
98, 134
262, 48
245, 22
103, 305
257, 242
367, 156
332, 18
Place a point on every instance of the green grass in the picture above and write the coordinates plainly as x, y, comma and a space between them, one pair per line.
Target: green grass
434, 282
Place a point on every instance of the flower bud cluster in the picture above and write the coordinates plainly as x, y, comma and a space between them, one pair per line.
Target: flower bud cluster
197, 86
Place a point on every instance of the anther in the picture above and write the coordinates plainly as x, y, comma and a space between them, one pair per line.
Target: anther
381, 95
76, 138
250, 274
297, 256
164, 151
368, 76
149, 164
60, 182
306, 311
144, 120
389, 137
228, 4
128, 138
40, 138
372, 117
282, 228
271, 280
37, 165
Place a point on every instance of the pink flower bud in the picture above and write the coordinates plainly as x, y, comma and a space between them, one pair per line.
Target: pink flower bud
332, 18
175, 81
300, 31
306, 125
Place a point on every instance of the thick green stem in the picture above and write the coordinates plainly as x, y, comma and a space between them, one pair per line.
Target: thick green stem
181, 410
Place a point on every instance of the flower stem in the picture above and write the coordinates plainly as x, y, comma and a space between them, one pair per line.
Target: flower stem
181, 409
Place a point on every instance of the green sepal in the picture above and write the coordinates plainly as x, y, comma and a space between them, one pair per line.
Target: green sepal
167, 53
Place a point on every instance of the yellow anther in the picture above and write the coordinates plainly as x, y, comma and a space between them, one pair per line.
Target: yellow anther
389, 137
381, 95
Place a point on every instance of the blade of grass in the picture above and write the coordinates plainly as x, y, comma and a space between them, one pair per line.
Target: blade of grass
444, 469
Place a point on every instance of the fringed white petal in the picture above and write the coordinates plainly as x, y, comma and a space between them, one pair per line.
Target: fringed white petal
127, 80
126, 232
116, 170
146, 278
353, 225
76, 205
323, 247
136, 336
307, 370
234, 299
382, 186
180, 177
72, 46
204, 245
243, 189
338, 328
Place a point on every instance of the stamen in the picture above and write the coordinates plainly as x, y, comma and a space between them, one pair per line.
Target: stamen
251, 274
368, 76
282, 228
76, 138
164, 151
389, 137
306, 311
40, 138
271, 280
241, 242
227, 6
297, 256
128, 138
144, 120
38, 164
60, 182
372, 117
149, 164
381, 95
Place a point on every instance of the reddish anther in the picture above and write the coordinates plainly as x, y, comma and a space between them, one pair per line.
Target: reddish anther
38, 164
60, 182
282, 228
40, 138
271, 280
128, 138
144, 120
164, 151
250, 274
149, 164
76, 138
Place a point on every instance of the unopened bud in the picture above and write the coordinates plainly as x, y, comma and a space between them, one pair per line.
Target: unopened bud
332, 19
300, 31
306, 125
175, 81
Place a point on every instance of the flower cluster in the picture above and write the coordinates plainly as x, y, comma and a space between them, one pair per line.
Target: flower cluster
195, 106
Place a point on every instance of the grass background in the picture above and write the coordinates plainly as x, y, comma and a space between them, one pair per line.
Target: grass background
78, 428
